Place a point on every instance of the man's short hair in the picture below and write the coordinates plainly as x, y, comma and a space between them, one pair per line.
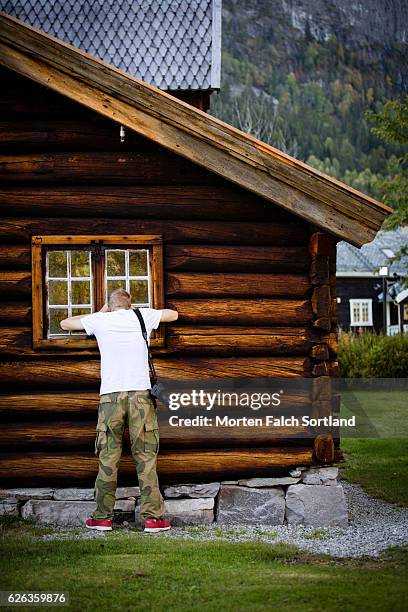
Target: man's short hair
119, 299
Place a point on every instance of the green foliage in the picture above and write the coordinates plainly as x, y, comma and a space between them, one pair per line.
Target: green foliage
310, 99
373, 356
391, 124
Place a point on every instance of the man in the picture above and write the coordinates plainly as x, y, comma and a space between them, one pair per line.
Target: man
124, 396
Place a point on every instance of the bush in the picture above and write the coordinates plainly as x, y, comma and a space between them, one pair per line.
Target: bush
373, 356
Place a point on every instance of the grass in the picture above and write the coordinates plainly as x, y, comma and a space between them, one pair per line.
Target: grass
127, 570
317, 534
380, 466
378, 461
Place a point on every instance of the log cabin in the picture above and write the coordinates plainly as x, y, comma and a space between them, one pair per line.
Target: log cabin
108, 181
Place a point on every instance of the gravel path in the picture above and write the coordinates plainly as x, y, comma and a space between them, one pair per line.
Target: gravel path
375, 525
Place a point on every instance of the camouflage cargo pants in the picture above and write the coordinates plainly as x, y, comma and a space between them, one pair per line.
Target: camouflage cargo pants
137, 410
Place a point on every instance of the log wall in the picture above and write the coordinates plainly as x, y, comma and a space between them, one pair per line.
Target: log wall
253, 297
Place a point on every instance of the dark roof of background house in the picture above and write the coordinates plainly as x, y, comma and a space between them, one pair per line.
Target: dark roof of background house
373, 254
172, 44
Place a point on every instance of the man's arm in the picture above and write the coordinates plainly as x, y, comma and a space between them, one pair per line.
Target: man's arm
168, 315
75, 323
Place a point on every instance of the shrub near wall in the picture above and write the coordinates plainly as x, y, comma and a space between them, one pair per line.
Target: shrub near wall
373, 356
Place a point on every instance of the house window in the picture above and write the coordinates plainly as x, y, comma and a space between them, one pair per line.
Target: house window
361, 312
74, 275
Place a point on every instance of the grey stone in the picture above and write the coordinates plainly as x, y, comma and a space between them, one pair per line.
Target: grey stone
124, 492
316, 506
320, 475
225, 482
186, 511
60, 513
268, 482
250, 505
9, 507
30, 493
296, 473
125, 505
74, 494
193, 490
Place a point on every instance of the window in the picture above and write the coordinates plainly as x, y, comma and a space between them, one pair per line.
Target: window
74, 275
361, 312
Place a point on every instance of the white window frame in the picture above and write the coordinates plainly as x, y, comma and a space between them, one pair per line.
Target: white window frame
359, 302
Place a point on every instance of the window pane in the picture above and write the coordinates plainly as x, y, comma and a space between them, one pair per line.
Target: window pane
80, 311
115, 284
138, 263
56, 315
57, 264
58, 292
115, 263
80, 292
139, 292
80, 263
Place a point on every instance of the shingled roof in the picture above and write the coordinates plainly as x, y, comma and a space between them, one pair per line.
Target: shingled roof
174, 45
187, 131
364, 261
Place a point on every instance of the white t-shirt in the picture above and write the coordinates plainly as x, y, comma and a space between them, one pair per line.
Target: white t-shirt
124, 362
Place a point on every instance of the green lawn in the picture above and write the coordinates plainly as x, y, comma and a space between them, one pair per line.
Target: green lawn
379, 461
128, 570
380, 466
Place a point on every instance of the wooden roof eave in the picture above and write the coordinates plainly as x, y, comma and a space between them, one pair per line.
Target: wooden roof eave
187, 131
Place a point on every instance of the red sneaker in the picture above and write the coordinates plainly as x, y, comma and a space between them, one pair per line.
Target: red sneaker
104, 525
152, 525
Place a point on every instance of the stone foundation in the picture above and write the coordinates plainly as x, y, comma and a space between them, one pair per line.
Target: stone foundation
307, 496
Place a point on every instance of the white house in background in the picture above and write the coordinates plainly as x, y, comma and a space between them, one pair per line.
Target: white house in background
361, 276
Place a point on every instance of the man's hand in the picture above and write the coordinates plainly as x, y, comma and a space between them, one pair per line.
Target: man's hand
168, 315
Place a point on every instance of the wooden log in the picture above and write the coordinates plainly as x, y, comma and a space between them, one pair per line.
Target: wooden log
321, 243
325, 368
323, 323
31, 469
205, 340
235, 258
19, 341
319, 270
223, 202
321, 301
224, 340
15, 257
230, 311
321, 409
324, 449
322, 388
22, 98
48, 405
15, 283
207, 232
18, 313
65, 436
218, 284
54, 374
66, 404
50, 135
320, 352
114, 168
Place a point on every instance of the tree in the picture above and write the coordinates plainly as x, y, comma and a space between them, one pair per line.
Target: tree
391, 124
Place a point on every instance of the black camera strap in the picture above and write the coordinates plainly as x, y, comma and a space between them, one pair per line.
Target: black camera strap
153, 376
